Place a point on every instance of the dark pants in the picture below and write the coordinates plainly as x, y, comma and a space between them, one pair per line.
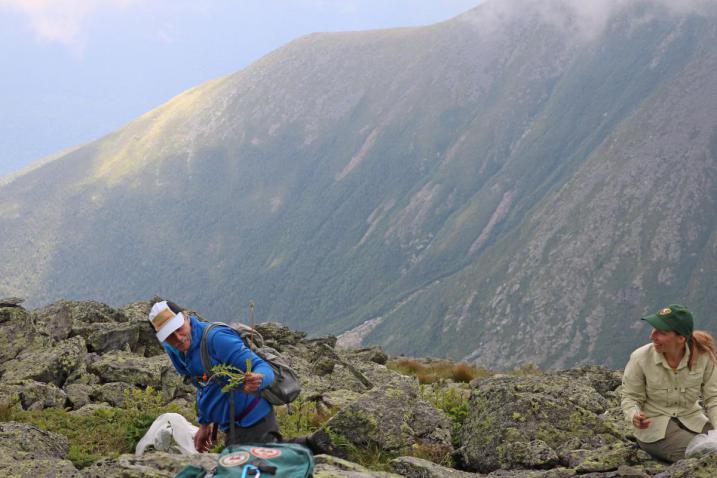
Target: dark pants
672, 447
265, 430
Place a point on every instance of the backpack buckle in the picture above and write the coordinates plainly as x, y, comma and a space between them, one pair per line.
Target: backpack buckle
247, 468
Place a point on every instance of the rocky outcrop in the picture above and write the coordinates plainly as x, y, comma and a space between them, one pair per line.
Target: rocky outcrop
51, 365
561, 424
540, 421
136, 313
154, 465
32, 395
394, 418
413, 467
28, 451
130, 368
17, 333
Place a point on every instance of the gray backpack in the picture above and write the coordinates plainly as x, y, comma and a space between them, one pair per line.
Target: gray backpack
286, 386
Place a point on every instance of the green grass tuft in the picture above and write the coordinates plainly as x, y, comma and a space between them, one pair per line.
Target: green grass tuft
104, 432
305, 418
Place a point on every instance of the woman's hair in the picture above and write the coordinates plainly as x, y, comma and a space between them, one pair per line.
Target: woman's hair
701, 342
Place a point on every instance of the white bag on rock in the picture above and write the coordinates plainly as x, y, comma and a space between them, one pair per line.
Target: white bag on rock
170, 432
702, 444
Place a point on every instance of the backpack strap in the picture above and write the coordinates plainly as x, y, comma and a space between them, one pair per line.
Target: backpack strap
204, 349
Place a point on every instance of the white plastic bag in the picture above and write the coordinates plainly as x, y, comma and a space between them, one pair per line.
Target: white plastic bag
702, 444
170, 432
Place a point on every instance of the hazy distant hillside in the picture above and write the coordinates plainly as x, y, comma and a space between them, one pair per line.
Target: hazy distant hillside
517, 184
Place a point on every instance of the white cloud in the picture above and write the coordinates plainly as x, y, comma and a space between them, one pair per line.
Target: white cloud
585, 18
63, 21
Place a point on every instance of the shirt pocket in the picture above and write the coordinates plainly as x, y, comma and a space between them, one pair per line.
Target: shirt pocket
657, 393
691, 389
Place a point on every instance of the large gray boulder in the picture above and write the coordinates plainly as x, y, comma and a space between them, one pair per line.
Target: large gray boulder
278, 336
394, 418
413, 467
26, 450
121, 366
705, 467
32, 395
137, 313
23, 437
150, 465
78, 394
534, 422
331, 467
65, 318
51, 365
103, 338
17, 333
113, 393
331, 376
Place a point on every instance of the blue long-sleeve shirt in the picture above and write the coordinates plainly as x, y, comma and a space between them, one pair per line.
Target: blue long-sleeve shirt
224, 347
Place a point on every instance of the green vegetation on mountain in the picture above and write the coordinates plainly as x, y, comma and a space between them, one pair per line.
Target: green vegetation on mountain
516, 185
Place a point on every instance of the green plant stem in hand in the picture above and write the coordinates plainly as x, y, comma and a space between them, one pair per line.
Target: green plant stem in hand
234, 376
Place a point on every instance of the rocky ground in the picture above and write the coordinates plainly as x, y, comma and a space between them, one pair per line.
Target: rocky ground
84, 355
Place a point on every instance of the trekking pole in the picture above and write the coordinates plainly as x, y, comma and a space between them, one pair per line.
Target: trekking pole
251, 320
251, 334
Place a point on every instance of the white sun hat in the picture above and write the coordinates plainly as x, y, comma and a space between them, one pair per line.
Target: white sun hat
164, 320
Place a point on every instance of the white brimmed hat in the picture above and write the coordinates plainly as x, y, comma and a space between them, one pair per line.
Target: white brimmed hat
164, 320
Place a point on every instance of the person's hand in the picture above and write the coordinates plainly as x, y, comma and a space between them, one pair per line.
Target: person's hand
252, 381
203, 438
640, 420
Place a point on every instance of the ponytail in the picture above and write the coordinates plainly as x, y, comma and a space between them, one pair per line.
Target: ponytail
701, 342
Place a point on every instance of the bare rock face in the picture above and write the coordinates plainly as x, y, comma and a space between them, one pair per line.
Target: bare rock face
11, 302
152, 465
26, 450
692, 468
539, 420
136, 313
65, 318
78, 394
32, 395
412, 467
130, 368
107, 338
332, 467
51, 365
17, 332
394, 418
278, 336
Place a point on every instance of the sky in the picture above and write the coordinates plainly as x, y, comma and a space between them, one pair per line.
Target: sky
75, 70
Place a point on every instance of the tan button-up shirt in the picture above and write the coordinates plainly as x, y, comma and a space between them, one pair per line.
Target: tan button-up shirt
650, 384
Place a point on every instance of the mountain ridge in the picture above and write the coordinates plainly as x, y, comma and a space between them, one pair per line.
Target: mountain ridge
440, 183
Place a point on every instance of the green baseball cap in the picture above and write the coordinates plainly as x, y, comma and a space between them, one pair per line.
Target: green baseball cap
674, 317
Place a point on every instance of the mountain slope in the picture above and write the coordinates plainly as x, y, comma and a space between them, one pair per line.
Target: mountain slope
517, 184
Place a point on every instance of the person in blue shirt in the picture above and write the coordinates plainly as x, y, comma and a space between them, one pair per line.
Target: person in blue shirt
181, 334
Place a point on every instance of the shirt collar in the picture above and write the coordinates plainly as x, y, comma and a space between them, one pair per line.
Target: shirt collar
660, 358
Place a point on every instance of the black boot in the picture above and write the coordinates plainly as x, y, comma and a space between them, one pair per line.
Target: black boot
320, 443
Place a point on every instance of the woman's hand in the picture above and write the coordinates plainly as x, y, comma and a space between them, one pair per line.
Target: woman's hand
203, 438
639, 420
252, 381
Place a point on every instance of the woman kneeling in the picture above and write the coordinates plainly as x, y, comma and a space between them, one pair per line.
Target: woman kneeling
663, 382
